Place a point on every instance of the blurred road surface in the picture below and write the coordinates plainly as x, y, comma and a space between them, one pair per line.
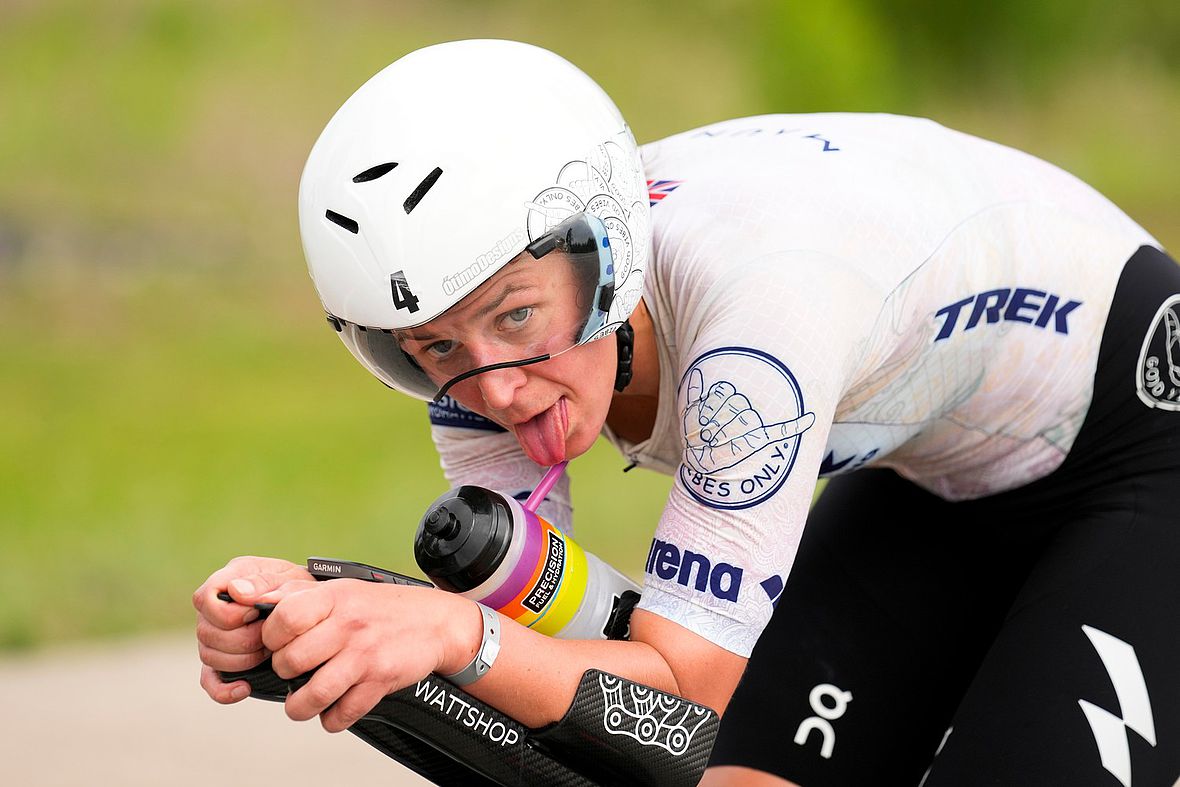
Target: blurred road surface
132, 713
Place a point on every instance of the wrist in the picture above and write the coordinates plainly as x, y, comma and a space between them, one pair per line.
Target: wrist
485, 654
461, 624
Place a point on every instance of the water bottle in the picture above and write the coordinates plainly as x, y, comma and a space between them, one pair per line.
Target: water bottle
491, 548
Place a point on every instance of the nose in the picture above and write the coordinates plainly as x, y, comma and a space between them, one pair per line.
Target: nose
498, 386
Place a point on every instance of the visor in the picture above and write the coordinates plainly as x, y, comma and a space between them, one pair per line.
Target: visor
548, 300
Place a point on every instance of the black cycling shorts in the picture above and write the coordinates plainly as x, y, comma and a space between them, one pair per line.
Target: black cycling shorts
1028, 638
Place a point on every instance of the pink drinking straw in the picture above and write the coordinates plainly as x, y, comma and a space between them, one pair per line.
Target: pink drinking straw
547, 481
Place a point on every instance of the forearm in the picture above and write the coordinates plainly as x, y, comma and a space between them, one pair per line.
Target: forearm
535, 676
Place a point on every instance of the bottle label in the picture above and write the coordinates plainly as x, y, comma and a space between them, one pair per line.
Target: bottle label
555, 585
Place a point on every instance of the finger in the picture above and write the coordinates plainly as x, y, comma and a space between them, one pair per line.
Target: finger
219, 579
244, 639
729, 410
231, 615
742, 424
220, 691
351, 707
230, 662
694, 433
222, 614
696, 385
738, 403
296, 614
286, 589
716, 397
309, 650
788, 429
327, 685
248, 589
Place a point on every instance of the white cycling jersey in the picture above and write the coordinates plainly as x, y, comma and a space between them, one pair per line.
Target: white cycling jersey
833, 291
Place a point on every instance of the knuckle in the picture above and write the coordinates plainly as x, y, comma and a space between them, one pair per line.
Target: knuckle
321, 693
282, 667
214, 687
228, 662
333, 721
348, 711
296, 709
353, 625
299, 663
203, 629
277, 629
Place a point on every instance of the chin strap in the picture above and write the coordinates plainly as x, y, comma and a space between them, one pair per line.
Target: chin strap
625, 339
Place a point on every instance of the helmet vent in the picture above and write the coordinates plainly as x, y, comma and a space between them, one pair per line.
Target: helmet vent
372, 173
343, 221
420, 192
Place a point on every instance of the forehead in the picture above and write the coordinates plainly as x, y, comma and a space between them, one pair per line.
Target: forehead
523, 274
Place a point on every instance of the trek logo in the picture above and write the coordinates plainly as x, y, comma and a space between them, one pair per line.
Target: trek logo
1110, 731
668, 561
1010, 305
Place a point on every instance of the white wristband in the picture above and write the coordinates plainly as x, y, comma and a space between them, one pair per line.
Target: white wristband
485, 655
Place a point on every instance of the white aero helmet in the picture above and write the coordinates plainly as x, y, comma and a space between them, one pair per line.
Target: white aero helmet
441, 170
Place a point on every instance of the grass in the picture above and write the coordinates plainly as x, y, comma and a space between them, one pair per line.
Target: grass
170, 396
148, 453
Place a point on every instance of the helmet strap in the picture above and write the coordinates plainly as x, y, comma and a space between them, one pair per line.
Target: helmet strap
625, 340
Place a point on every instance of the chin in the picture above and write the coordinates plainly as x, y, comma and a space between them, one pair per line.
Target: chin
580, 442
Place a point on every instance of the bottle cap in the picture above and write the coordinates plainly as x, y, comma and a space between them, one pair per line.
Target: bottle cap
463, 537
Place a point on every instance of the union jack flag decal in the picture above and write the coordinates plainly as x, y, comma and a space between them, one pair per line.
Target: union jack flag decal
658, 189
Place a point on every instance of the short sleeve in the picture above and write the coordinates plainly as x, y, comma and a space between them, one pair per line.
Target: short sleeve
766, 366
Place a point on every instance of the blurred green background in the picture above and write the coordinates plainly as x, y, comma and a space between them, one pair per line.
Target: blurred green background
170, 393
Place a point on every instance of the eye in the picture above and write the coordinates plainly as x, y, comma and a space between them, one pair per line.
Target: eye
518, 317
440, 350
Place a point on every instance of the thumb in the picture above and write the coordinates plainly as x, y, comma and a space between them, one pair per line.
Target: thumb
247, 589
789, 429
696, 386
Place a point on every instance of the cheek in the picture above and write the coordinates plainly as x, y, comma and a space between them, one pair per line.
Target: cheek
592, 383
467, 394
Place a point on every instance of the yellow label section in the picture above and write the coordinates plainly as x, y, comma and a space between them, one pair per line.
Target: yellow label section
555, 590
570, 593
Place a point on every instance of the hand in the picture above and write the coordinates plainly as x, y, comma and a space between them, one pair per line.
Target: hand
229, 635
722, 428
367, 640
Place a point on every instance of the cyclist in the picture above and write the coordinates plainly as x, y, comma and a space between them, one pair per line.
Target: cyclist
992, 347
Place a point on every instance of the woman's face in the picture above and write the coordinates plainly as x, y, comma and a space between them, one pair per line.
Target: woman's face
555, 408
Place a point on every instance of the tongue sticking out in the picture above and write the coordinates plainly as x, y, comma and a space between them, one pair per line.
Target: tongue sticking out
543, 436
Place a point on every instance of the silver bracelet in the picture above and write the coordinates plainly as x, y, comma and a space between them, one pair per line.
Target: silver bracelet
485, 655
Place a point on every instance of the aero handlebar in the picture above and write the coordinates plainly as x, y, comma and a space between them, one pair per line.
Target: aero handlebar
615, 732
